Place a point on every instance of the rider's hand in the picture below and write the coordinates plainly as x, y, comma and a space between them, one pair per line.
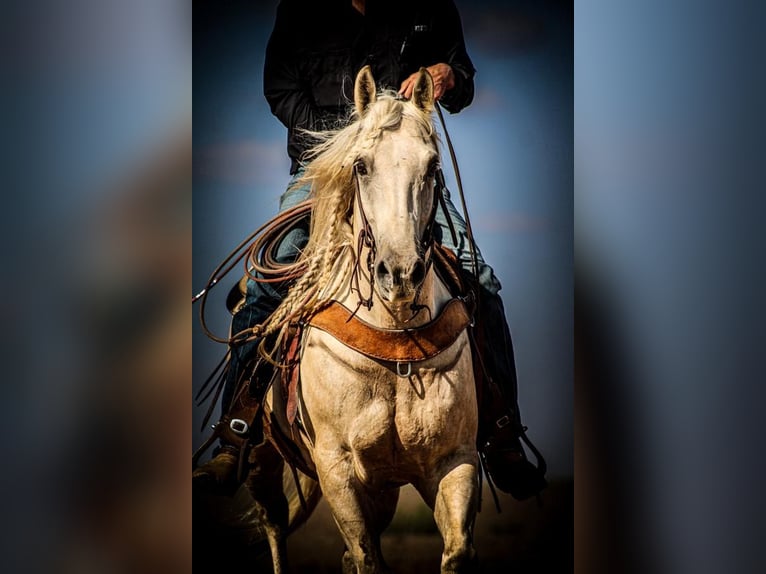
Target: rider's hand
443, 77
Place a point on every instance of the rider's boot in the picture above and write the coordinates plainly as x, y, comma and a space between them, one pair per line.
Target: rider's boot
241, 426
237, 431
500, 427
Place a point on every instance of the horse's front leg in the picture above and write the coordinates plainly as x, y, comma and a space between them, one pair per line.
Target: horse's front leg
453, 492
352, 507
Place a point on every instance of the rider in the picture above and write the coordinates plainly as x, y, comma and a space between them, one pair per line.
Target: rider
313, 54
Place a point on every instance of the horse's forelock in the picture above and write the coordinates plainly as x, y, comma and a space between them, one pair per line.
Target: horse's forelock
333, 156
389, 111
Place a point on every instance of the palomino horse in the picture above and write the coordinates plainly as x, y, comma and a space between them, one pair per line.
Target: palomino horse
375, 421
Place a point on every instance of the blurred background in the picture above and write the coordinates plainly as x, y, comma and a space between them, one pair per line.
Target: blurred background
96, 234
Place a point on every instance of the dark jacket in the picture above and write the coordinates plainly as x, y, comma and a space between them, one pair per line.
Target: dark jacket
317, 47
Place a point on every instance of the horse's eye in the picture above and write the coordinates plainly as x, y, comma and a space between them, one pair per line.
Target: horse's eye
360, 167
432, 170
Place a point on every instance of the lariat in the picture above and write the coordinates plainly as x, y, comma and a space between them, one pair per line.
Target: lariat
257, 250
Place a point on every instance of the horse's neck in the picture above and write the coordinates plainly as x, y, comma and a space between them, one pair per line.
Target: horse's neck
433, 296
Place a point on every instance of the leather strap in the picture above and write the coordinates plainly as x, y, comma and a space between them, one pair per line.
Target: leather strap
287, 446
292, 373
448, 268
396, 345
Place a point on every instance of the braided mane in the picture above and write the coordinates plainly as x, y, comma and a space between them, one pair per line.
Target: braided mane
329, 254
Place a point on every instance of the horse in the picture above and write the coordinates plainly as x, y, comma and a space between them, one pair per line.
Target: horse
372, 418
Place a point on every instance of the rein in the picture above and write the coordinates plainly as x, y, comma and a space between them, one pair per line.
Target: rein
468, 228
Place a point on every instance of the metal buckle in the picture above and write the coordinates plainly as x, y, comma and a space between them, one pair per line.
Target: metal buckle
239, 426
503, 421
468, 302
405, 374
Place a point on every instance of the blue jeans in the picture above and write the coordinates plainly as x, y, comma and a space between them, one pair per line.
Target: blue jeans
263, 298
486, 275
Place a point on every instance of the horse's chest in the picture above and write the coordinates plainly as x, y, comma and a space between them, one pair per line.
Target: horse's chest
406, 414
394, 426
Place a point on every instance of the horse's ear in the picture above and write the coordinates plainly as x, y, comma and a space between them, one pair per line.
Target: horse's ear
364, 90
423, 92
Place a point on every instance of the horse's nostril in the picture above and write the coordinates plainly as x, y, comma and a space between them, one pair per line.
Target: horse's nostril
418, 272
383, 270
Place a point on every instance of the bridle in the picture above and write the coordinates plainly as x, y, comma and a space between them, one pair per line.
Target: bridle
366, 239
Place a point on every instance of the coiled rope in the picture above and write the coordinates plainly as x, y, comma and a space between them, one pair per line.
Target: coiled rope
258, 250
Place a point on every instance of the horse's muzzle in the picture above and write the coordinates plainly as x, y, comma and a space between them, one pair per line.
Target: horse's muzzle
399, 281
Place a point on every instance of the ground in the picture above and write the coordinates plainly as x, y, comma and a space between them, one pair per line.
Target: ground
523, 538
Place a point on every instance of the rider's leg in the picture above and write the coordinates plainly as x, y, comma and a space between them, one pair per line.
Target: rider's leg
461, 248
261, 300
499, 441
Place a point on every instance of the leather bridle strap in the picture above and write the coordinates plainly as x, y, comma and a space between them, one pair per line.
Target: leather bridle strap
365, 239
428, 233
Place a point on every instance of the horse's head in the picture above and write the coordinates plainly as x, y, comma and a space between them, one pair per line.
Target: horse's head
395, 161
